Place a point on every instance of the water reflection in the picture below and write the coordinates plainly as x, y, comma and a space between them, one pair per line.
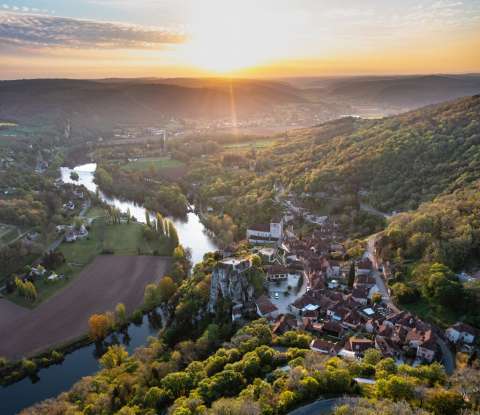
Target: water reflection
51, 381
190, 230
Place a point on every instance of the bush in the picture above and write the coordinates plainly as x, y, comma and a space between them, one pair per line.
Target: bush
29, 366
57, 357
137, 317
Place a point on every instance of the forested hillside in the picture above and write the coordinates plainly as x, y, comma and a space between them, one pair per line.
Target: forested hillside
251, 375
391, 164
399, 161
426, 246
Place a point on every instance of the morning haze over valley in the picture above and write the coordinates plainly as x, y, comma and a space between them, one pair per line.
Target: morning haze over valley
226, 207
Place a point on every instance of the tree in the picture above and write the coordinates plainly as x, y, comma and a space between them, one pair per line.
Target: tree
179, 253
395, 388
160, 225
467, 382
147, 219
29, 366
372, 356
256, 261
441, 287
172, 234
166, 288
155, 398
177, 384
226, 383
376, 298
239, 406
98, 326
53, 259
404, 293
385, 367
351, 275
120, 314
151, 297
74, 176
286, 400
26, 289
363, 406
114, 357
444, 402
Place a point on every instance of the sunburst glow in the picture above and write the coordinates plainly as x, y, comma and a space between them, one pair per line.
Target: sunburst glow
227, 36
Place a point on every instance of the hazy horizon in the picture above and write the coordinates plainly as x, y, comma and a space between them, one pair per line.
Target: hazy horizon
267, 39
246, 77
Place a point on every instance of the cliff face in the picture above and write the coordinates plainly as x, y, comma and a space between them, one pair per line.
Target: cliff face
229, 281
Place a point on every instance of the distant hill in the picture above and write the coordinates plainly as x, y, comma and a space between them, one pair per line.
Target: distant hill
107, 102
401, 161
396, 92
104, 103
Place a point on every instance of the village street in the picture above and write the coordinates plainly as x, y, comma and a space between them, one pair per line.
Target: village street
283, 301
447, 356
379, 281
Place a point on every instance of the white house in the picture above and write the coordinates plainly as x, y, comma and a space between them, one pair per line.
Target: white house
266, 233
267, 253
461, 332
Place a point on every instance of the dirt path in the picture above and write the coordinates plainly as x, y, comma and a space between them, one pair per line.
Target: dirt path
109, 280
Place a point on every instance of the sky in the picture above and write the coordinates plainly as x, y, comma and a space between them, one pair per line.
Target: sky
251, 38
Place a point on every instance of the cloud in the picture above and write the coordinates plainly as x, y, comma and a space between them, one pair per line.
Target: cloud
35, 30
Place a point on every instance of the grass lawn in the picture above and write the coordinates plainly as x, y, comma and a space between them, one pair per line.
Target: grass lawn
249, 144
157, 163
123, 239
95, 213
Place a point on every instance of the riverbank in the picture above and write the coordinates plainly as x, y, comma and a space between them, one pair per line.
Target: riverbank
107, 281
83, 359
29, 366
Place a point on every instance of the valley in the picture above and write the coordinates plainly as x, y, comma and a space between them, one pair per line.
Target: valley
330, 187
226, 207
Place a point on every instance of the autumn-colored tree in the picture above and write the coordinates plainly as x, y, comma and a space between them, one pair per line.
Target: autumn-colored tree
115, 356
98, 326
376, 298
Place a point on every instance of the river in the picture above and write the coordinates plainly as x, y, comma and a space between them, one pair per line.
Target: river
55, 379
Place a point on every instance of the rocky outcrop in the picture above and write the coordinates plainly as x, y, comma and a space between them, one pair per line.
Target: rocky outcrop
230, 281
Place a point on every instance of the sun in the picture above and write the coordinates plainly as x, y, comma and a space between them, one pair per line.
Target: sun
227, 36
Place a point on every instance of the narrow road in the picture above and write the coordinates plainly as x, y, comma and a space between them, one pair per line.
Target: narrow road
374, 211
379, 281
322, 407
448, 360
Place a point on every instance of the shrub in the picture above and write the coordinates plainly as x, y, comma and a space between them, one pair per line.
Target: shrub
29, 366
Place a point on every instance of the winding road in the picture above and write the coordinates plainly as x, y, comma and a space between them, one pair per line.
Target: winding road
321, 407
374, 211
448, 360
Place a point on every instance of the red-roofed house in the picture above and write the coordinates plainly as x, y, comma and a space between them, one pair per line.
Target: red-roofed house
265, 308
323, 346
